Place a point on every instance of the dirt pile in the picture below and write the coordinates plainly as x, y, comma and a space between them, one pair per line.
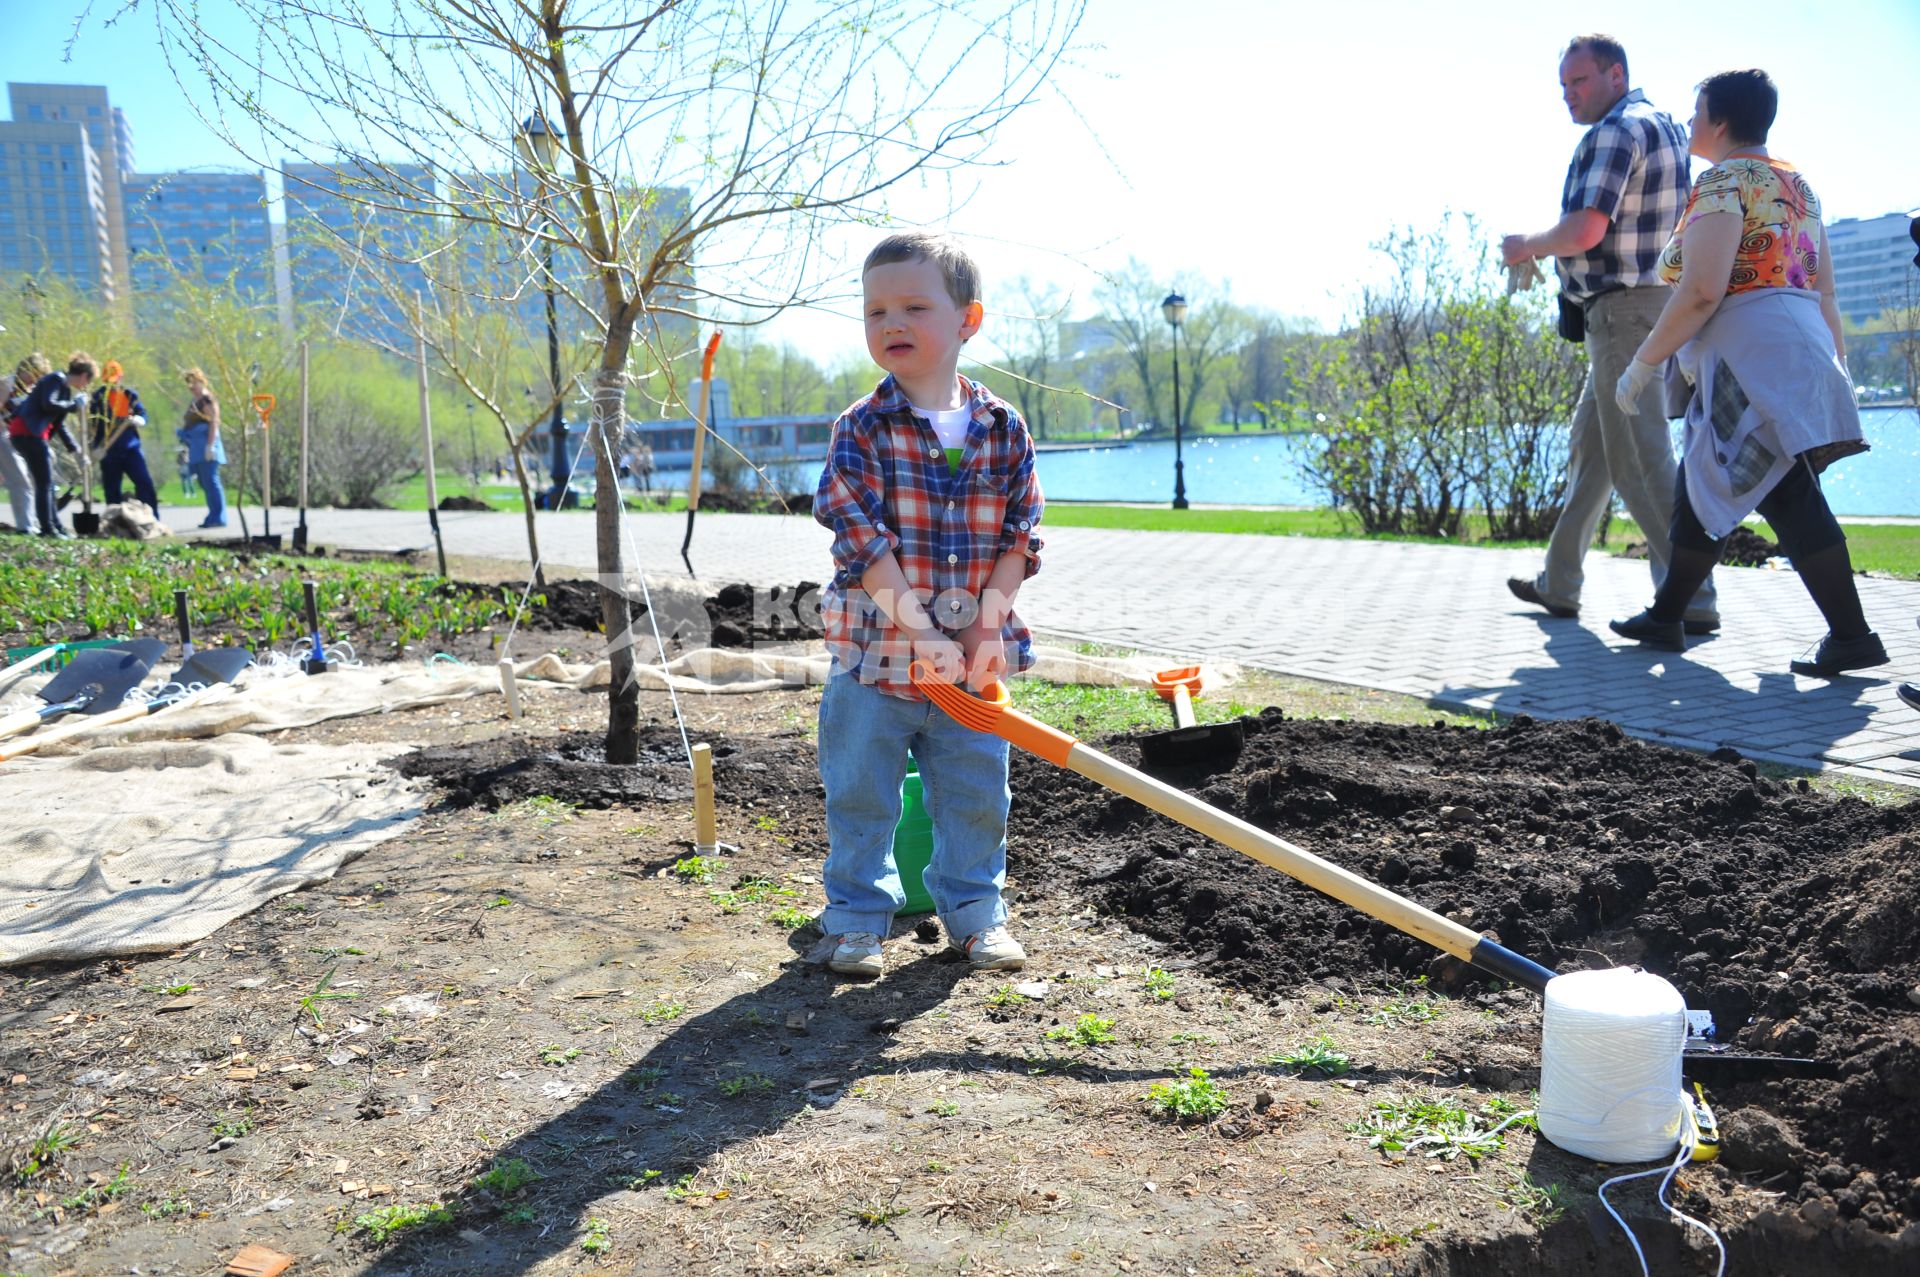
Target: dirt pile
1790, 915
738, 616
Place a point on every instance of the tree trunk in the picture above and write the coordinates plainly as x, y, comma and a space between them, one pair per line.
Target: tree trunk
609, 422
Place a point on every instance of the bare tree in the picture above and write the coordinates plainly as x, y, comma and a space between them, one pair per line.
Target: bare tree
1028, 334
684, 129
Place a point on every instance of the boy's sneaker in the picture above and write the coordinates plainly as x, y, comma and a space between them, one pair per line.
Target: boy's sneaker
857, 954
994, 949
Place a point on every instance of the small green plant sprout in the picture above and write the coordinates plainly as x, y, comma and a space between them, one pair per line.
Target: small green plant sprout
519, 1215
766, 824
1319, 1057
166, 1207
661, 1012
324, 992
790, 917
683, 1187
1499, 1110
1195, 1098
178, 990
232, 1127
1412, 1005
1005, 998
596, 1240
697, 868
508, 1177
944, 1108
645, 1077
384, 1223
544, 808
1159, 983
1544, 1204
102, 1190
1088, 1030
1196, 1039
500, 901
559, 1055
46, 1149
877, 1212
1435, 1127
1380, 1239
745, 1084
645, 1179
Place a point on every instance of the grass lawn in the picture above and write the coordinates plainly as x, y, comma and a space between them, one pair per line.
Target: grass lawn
1893, 549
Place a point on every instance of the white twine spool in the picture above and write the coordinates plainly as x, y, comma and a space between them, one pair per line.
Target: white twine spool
1610, 1084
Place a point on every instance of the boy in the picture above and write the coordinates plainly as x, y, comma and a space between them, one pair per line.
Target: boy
117, 414
930, 491
42, 416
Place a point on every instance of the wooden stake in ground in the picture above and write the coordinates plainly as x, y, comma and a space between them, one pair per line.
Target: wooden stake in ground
426, 432
263, 404
699, 444
300, 533
706, 831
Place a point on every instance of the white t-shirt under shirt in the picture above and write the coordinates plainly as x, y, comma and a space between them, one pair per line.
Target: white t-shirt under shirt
950, 427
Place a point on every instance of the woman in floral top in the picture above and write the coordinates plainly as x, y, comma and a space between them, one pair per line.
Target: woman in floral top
1756, 330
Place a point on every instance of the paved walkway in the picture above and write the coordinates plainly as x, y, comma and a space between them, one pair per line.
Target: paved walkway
1429, 621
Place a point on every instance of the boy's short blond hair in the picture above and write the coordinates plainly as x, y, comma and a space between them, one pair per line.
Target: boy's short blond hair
957, 269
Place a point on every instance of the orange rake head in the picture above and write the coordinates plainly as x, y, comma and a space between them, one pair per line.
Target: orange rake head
993, 714
1166, 681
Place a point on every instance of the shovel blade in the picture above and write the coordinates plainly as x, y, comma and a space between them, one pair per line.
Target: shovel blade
104, 676
212, 665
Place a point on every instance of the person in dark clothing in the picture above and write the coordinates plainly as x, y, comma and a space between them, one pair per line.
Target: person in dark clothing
116, 416
42, 417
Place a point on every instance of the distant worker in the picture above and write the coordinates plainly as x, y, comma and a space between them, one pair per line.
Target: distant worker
1756, 325
116, 416
1623, 195
42, 417
200, 432
14, 390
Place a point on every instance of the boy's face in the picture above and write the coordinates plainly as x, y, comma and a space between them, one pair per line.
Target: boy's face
914, 328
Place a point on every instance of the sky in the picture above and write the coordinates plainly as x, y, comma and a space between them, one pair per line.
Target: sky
1265, 145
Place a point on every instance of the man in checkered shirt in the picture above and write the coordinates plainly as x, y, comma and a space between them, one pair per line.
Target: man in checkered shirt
1624, 194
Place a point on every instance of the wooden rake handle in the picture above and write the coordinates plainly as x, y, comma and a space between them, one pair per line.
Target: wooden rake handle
994, 714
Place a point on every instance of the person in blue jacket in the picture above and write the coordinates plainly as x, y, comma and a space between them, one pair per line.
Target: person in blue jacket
116, 415
200, 432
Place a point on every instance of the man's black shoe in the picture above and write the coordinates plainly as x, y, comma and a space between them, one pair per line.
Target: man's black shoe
1697, 628
1910, 693
1642, 628
1527, 592
1838, 655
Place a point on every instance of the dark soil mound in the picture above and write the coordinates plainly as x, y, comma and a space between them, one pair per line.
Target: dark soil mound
463, 503
1794, 917
1746, 548
574, 767
738, 616
758, 502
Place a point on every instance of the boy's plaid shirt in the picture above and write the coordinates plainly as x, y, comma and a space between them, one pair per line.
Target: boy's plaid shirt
1631, 166
886, 487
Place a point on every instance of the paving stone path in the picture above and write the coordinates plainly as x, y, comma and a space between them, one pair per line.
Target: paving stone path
1429, 621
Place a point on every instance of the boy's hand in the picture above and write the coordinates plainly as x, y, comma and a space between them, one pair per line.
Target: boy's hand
944, 655
986, 655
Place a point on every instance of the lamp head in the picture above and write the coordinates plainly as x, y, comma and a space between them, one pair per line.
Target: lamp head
1175, 309
537, 143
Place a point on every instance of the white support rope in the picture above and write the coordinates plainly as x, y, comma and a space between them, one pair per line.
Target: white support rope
646, 595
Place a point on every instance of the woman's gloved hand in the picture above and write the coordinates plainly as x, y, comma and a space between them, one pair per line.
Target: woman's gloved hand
1633, 382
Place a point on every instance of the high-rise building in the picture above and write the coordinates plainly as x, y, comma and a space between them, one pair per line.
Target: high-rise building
350, 227
67, 150
1872, 264
209, 227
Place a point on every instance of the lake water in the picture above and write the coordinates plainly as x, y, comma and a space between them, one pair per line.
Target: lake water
1265, 470
1258, 469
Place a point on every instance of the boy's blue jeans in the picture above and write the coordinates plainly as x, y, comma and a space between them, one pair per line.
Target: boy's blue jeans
864, 738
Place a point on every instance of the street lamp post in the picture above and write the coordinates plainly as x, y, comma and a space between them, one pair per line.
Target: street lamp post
1175, 309
30, 302
538, 148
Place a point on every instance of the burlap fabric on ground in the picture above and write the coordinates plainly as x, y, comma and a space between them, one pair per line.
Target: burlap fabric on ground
141, 848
